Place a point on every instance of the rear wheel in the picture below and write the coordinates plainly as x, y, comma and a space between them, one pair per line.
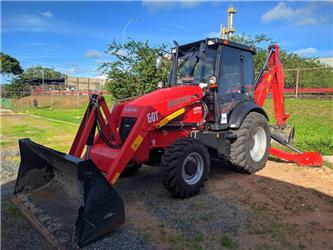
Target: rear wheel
184, 167
249, 153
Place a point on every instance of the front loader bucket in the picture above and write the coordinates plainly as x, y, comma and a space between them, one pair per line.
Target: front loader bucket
67, 199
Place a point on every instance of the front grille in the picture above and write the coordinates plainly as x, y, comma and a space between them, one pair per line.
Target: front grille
126, 126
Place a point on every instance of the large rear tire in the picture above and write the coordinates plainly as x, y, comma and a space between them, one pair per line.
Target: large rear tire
184, 167
249, 153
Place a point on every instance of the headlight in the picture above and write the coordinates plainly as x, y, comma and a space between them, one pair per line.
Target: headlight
212, 80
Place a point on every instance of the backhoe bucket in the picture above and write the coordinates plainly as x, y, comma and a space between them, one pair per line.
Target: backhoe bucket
67, 199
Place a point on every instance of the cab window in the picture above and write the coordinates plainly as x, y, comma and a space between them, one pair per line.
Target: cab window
230, 76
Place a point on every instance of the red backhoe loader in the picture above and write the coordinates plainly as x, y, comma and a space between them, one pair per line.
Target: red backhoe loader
211, 107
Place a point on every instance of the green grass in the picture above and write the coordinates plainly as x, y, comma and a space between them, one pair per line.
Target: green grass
313, 122
56, 135
312, 119
68, 115
11, 210
228, 242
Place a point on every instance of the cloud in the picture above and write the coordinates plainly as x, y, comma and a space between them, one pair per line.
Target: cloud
121, 52
48, 14
28, 22
155, 5
306, 52
297, 16
39, 23
102, 77
93, 53
74, 69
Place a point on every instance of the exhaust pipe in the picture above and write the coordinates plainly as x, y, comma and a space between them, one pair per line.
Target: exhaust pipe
66, 198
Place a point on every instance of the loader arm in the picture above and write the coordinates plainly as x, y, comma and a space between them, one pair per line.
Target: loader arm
273, 79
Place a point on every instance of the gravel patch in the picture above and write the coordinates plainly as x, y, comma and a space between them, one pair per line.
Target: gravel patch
203, 214
18, 233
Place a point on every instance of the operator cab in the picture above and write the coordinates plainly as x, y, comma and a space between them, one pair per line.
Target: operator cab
230, 64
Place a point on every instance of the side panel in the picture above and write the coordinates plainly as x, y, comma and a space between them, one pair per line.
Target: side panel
241, 110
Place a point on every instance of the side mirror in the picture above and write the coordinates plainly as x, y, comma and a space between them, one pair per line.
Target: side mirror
159, 61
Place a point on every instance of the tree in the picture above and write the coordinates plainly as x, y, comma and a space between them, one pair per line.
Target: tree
133, 71
310, 78
9, 65
38, 72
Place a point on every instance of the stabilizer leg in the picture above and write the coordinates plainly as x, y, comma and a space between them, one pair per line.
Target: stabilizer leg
299, 157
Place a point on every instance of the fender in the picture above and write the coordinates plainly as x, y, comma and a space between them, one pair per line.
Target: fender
241, 110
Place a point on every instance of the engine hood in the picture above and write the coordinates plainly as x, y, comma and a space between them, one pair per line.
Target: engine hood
166, 100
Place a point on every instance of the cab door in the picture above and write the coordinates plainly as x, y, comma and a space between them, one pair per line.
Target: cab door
235, 78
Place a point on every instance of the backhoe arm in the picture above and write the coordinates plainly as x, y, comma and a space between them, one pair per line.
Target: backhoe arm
273, 79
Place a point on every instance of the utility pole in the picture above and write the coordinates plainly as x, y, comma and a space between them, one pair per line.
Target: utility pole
43, 83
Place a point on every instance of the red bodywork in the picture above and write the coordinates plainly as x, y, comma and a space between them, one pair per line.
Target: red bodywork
151, 109
273, 80
144, 136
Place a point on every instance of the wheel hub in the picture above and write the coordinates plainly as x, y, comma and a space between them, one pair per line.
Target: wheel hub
190, 168
193, 168
258, 144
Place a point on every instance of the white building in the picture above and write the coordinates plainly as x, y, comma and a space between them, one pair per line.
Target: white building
327, 61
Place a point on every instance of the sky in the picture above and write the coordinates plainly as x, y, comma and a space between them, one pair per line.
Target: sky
72, 37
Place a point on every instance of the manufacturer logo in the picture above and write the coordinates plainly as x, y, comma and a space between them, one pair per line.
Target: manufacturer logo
177, 101
130, 109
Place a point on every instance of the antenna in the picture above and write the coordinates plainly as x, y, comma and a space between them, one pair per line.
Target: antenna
226, 32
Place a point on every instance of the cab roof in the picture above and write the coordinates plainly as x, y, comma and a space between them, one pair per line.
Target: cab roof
222, 42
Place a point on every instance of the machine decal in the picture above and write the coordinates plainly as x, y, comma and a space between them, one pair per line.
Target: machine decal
152, 117
115, 178
197, 110
224, 119
137, 143
174, 102
130, 109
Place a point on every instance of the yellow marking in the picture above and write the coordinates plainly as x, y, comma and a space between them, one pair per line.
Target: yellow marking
137, 142
269, 78
170, 117
115, 178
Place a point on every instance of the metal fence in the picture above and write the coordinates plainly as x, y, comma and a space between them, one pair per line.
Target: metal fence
309, 81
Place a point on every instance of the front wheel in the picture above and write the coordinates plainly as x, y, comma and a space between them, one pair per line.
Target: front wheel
184, 167
249, 153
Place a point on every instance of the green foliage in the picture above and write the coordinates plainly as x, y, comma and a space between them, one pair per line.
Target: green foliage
9, 65
133, 71
316, 77
15, 89
36, 72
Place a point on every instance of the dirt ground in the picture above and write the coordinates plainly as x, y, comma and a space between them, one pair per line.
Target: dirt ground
281, 207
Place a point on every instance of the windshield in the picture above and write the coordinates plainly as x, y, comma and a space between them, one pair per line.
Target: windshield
195, 67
